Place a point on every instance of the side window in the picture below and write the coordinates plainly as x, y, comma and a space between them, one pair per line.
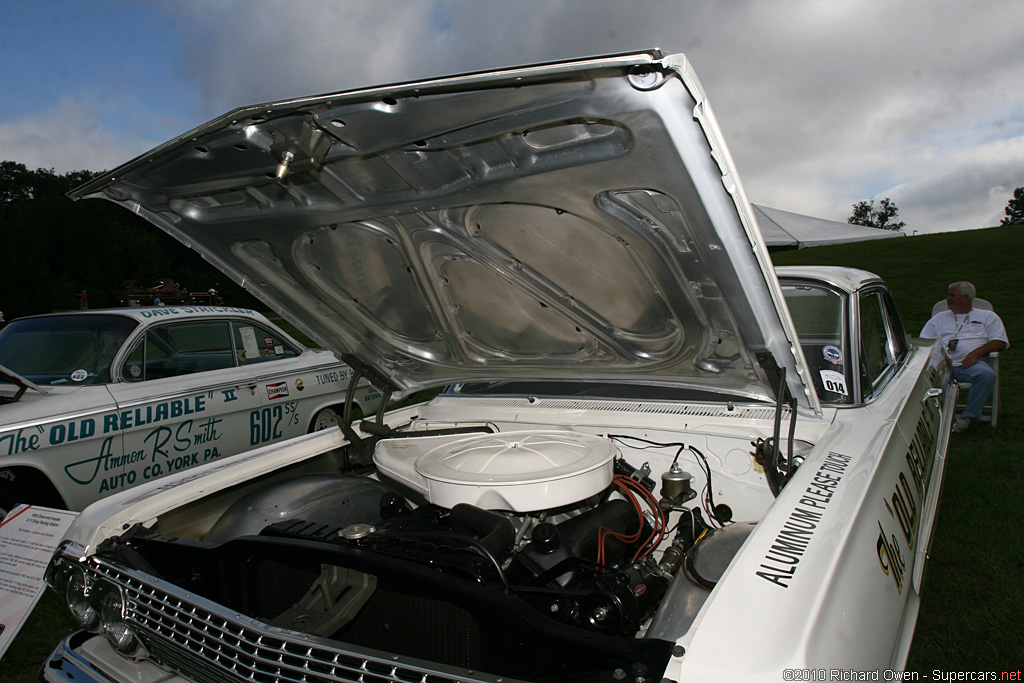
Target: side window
877, 353
819, 315
178, 349
134, 367
255, 344
898, 335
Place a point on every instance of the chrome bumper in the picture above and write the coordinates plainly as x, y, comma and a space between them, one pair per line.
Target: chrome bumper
87, 658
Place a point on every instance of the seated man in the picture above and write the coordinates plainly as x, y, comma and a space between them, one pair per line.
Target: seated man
969, 335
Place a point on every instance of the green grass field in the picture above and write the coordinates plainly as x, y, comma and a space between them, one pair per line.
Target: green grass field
972, 612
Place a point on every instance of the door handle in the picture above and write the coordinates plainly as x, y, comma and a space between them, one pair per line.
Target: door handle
934, 392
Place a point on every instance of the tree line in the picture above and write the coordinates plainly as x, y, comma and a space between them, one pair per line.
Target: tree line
54, 248
884, 215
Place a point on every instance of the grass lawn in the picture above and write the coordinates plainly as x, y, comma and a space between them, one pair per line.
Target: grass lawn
972, 603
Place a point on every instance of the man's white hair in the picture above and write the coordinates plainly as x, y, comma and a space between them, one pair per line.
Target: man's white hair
965, 288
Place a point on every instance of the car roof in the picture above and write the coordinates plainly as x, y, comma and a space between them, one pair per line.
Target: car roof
848, 279
146, 313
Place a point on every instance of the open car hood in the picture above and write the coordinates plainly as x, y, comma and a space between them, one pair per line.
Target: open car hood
571, 221
8, 376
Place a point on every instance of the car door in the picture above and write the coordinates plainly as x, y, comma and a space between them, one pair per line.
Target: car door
292, 384
904, 387
895, 454
919, 442
182, 400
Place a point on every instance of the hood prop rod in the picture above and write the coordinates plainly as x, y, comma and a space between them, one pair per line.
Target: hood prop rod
363, 447
770, 452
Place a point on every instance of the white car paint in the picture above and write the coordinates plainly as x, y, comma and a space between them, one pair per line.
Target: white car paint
82, 442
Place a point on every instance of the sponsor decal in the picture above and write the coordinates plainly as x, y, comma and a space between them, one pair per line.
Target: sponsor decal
135, 371
79, 375
268, 341
330, 377
891, 558
299, 385
85, 428
21, 441
33, 438
276, 391
833, 354
193, 310
164, 450
905, 505
160, 412
784, 555
266, 424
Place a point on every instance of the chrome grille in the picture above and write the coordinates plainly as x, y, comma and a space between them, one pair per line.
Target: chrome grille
210, 644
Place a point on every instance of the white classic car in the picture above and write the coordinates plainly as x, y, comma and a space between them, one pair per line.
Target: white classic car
95, 402
655, 459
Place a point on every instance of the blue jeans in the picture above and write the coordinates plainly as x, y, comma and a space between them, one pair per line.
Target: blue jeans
983, 379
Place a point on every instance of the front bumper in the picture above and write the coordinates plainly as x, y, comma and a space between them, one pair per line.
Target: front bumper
85, 657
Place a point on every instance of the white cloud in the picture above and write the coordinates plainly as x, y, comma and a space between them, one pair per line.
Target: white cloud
966, 189
69, 137
822, 103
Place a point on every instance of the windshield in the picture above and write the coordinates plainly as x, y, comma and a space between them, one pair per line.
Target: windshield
64, 349
818, 314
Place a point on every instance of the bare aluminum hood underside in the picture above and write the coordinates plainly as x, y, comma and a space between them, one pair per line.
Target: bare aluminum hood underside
571, 221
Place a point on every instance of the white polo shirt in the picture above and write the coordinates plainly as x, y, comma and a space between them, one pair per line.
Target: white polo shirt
973, 329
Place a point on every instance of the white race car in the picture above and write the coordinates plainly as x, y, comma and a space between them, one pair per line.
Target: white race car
95, 402
656, 459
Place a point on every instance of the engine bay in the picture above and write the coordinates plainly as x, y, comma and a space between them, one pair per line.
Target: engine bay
539, 553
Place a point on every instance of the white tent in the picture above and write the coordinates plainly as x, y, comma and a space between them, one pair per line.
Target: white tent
784, 229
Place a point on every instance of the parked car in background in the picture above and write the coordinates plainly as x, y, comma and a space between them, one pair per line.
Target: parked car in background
655, 458
95, 402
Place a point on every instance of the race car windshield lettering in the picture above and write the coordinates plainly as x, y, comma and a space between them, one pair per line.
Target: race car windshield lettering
64, 350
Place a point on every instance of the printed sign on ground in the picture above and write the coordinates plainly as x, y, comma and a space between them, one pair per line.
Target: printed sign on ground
28, 537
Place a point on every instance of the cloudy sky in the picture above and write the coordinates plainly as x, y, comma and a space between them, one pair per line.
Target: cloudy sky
823, 102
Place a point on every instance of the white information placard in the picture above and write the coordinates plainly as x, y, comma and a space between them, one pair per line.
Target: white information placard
252, 350
28, 537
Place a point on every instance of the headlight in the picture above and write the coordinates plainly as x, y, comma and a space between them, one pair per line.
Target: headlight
113, 617
77, 590
97, 605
